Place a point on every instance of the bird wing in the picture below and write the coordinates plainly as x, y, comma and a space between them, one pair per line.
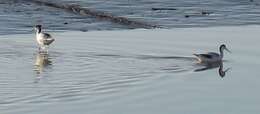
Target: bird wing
47, 39
46, 35
214, 55
204, 56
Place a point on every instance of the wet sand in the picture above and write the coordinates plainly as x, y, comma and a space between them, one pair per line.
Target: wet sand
131, 71
18, 16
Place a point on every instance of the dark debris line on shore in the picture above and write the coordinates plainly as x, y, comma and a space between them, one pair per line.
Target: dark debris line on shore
99, 15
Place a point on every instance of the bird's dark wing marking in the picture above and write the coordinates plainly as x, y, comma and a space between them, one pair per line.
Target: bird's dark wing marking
206, 56
46, 35
48, 41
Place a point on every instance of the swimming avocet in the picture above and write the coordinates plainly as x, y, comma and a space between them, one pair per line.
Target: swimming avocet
43, 39
212, 57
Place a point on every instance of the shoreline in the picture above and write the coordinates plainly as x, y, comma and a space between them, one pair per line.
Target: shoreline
140, 29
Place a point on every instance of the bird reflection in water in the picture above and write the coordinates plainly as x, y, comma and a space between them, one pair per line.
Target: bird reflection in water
207, 66
42, 63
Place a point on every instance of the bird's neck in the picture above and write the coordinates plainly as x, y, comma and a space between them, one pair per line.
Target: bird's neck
220, 70
221, 53
38, 31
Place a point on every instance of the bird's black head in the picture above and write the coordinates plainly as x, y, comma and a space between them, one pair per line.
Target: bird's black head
38, 28
223, 47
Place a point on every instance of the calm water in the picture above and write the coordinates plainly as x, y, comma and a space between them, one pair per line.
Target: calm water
18, 16
137, 71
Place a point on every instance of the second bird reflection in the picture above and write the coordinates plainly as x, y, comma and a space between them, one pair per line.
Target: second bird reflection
218, 65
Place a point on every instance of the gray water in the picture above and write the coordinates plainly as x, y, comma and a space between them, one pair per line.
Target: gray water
19, 16
137, 71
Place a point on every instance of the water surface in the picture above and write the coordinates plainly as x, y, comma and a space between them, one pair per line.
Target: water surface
137, 71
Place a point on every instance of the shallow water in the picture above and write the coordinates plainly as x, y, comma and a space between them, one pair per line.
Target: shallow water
137, 71
18, 16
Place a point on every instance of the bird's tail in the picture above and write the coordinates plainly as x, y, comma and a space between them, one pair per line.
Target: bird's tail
197, 58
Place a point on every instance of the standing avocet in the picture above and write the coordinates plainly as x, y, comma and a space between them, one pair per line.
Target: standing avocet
43, 39
212, 57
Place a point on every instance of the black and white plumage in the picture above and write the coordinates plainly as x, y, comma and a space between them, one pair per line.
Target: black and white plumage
212, 57
43, 39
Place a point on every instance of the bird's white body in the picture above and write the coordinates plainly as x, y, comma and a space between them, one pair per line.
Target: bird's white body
211, 57
43, 39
